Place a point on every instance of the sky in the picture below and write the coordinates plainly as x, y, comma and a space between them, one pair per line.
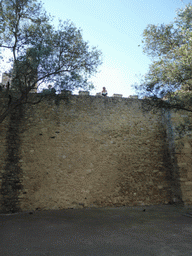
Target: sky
116, 27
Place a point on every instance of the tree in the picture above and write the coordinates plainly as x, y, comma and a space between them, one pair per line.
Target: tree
170, 47
41, 53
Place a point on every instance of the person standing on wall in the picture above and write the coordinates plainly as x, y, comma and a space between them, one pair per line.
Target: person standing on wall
104, 92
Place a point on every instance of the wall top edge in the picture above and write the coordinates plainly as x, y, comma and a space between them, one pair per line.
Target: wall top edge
69, 94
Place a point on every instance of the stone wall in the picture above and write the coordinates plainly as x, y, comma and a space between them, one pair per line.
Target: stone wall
81, 151
10, 169
179, 136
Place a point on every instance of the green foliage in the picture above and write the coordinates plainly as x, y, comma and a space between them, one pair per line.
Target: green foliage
170, 47
41, 53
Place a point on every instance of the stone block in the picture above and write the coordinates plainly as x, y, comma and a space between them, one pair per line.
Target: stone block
188, 183
188, 194
189, 175
182, 164
84, 93
182, 179
133, 97
117, 95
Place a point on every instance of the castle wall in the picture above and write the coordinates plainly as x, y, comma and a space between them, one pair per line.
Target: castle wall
84, 151
179, 136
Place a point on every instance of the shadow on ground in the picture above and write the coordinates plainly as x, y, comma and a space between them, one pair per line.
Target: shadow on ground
151, 230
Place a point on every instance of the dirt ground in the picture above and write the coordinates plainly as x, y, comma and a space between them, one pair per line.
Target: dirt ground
151, 230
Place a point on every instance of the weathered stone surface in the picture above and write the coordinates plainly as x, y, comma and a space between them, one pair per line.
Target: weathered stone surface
118, 95
83, 93
180, 147
93, 151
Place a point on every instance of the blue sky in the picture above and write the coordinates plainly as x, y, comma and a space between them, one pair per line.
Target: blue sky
116, 27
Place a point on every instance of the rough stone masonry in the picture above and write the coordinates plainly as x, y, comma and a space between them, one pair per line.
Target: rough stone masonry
74, 151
